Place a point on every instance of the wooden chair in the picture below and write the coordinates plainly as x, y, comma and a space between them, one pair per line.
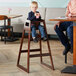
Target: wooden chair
34, 50
4, 27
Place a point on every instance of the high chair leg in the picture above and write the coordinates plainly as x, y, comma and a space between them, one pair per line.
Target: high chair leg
40, 49
20, 47
28, 56
48, 49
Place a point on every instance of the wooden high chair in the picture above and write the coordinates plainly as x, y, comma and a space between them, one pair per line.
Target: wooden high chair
34, 50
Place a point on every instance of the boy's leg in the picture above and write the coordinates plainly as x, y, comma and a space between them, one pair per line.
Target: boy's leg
41, 29
33, 29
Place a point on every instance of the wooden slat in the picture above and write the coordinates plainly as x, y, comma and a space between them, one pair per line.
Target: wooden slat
47, 65
32, 50
38, 55
21, 67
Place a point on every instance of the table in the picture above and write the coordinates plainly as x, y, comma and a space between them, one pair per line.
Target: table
9, 20
70, 69
10, 16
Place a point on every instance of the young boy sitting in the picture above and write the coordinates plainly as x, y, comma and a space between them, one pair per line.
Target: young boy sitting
35, 16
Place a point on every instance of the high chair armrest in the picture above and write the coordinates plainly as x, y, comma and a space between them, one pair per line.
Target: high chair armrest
27, 21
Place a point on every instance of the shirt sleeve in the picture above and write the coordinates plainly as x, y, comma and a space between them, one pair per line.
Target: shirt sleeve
31, 17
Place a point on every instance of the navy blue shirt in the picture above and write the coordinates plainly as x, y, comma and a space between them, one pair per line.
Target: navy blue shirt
32, 17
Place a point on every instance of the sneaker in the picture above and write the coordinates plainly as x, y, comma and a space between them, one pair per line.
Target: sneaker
35, 40
44, 39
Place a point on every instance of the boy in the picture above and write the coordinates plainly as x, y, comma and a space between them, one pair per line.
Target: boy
35, 16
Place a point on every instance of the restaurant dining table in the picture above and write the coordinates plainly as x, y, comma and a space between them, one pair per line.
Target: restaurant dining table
69, 69
11, 16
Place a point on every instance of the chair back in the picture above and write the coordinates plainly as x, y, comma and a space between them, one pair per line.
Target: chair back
3, 17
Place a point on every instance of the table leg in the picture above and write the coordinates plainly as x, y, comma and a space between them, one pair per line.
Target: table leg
72, 69
74, 46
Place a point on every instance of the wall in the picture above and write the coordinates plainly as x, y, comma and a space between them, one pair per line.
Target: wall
42, 3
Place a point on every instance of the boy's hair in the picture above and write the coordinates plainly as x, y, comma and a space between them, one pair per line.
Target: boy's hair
34, 3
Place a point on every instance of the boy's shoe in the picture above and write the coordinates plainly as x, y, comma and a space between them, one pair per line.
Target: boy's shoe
35, 40
44, 38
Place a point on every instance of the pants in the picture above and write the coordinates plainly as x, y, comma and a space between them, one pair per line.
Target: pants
41, 29
68, 27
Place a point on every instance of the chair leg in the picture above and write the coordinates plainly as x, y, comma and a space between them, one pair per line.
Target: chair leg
1, 34
5, 36
12, 32
28, 53
20, 47
28, 58
49, 47
40, 49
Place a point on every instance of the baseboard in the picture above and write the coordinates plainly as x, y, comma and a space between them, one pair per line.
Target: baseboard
19, 35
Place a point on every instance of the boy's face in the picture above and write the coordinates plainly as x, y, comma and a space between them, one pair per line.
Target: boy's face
34, 7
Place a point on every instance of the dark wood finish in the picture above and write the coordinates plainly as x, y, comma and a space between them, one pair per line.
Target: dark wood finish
38, 55
2, 17
34, 50
64, 19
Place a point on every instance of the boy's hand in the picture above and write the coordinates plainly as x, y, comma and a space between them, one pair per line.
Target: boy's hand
37, 15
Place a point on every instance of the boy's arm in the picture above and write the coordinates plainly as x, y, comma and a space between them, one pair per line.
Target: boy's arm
31, 17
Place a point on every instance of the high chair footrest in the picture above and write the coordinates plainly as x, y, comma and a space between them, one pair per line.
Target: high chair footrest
38, 55
32, 50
